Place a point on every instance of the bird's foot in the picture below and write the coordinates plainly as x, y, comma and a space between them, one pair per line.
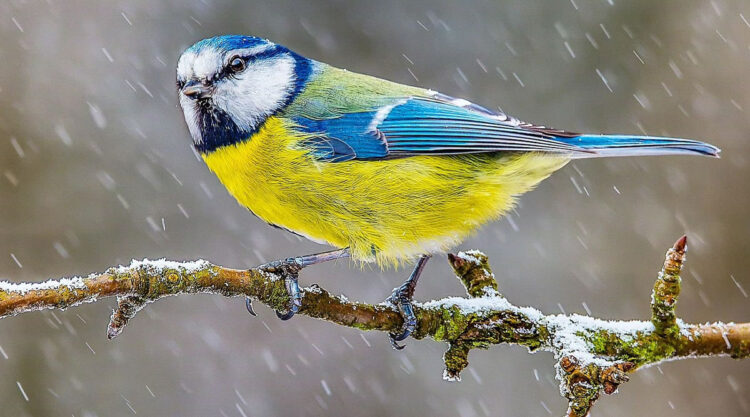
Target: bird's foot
290, 268
401, 299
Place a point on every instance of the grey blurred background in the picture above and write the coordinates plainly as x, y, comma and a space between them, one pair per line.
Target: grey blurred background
96, 169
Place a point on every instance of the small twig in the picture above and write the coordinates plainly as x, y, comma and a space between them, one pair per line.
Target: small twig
593, 355
667, 290
127, 307
473, 270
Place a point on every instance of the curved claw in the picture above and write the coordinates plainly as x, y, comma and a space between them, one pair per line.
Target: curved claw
394, 340
406, 332
292, 287
289, 314
249, 305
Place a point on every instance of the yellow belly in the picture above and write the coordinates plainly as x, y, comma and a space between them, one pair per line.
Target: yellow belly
384, 211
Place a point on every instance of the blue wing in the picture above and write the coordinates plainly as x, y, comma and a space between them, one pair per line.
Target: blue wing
441, 125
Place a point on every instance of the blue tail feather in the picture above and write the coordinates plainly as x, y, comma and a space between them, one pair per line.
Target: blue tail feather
624, 145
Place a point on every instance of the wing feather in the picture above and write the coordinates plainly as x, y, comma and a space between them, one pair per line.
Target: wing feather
437, 125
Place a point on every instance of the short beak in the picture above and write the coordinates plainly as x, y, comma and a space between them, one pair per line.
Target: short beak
196, 90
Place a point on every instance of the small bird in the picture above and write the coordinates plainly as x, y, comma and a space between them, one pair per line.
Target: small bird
382, 171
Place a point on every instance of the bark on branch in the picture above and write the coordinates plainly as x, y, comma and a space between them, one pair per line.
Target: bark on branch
593, 355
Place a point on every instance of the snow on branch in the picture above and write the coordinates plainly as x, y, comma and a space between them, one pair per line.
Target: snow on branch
592, 355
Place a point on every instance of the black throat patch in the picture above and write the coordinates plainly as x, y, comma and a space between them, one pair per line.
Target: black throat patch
217, 128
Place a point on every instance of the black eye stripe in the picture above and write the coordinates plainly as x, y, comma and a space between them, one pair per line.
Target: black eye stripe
249, 59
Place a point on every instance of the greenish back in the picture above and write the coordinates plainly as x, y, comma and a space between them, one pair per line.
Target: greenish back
331, 92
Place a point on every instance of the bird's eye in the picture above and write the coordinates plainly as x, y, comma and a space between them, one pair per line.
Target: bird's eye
237, 64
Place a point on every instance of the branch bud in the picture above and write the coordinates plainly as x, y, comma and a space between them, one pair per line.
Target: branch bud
473, 269
667, 290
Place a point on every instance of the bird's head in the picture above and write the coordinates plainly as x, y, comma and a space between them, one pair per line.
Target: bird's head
229, 85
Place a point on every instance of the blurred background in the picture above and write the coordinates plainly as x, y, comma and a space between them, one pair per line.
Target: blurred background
96, 168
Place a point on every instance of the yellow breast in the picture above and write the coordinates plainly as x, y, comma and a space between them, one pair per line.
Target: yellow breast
385, 210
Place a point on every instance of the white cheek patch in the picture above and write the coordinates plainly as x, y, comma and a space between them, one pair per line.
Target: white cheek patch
259, 91
190, 111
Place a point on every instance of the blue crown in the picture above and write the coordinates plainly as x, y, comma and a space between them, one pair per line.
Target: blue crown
228, 43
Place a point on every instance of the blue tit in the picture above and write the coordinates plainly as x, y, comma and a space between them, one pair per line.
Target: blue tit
382, 171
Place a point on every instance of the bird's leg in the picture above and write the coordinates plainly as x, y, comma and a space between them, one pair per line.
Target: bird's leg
401, 298
290, 268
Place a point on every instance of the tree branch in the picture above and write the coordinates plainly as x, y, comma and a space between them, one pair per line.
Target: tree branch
593, 355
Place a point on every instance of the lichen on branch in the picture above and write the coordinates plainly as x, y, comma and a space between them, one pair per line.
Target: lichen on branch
592, 355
